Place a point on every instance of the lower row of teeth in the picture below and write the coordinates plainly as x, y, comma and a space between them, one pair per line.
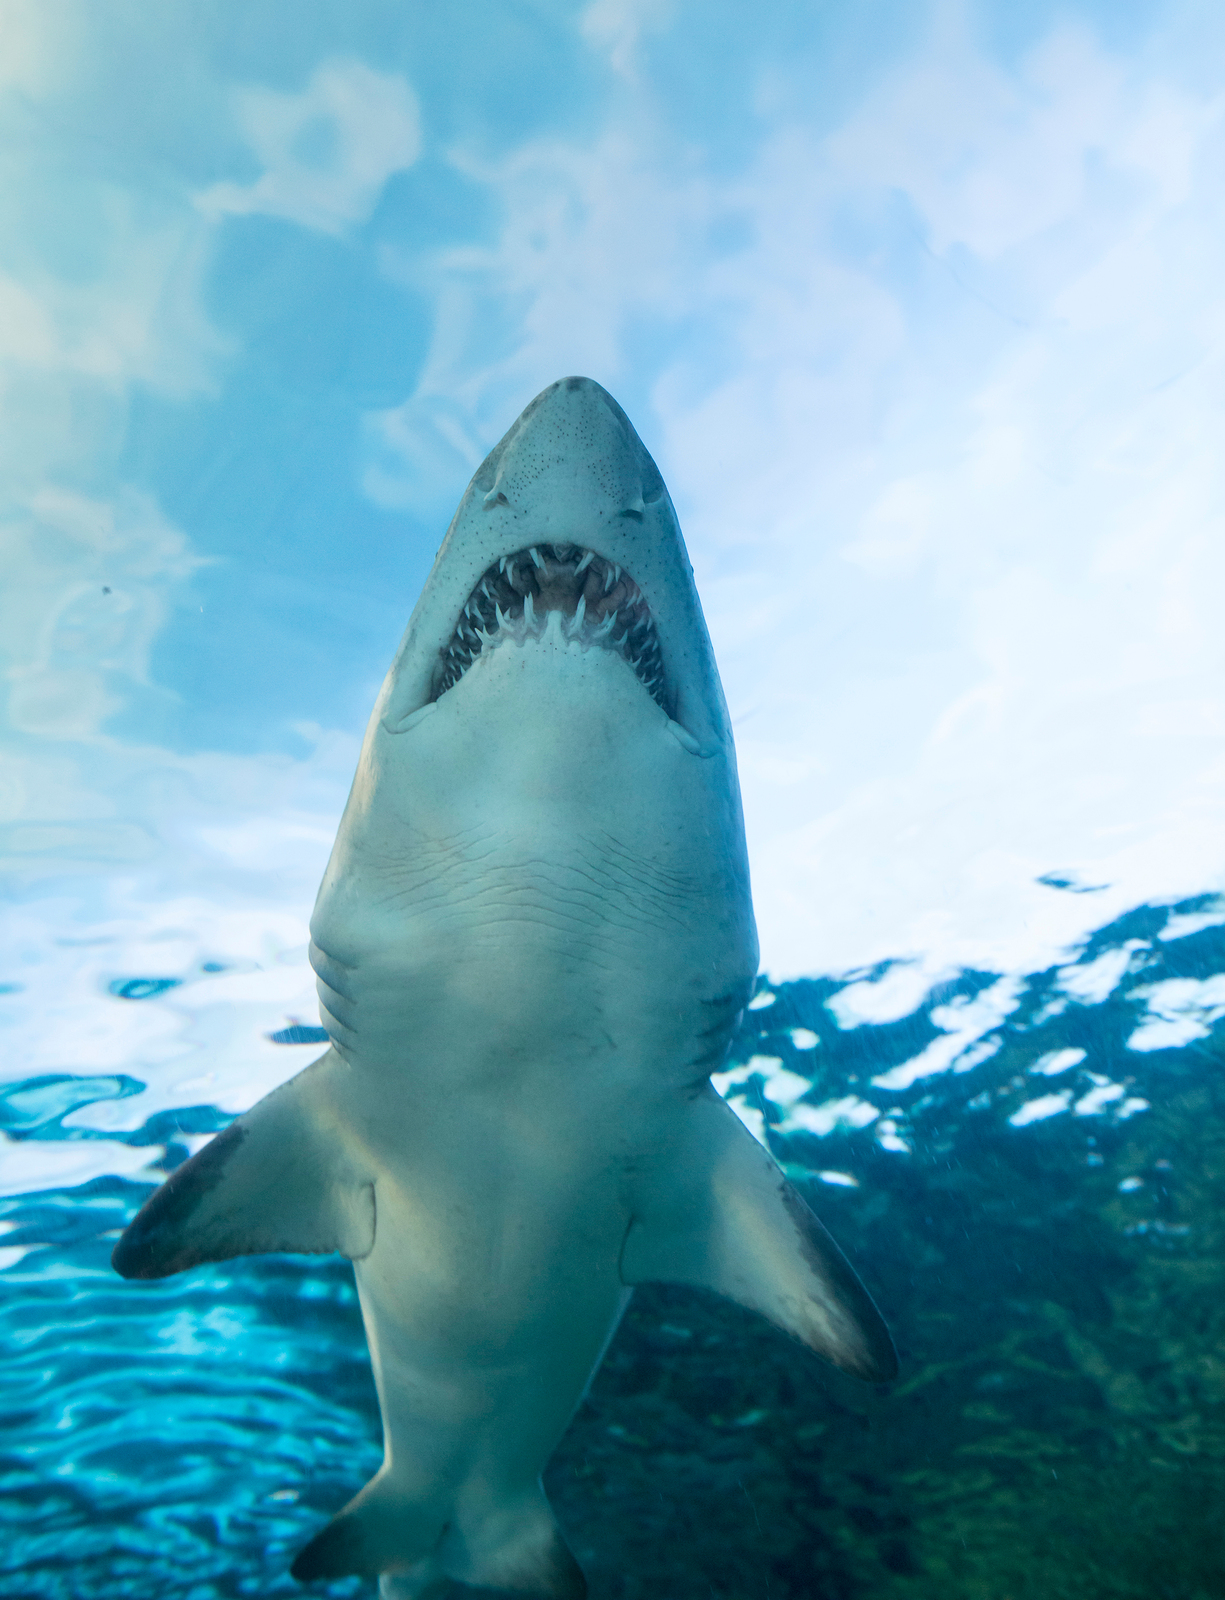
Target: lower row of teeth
557, 586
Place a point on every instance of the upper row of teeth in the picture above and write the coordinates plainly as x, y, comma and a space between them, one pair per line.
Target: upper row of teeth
506, 566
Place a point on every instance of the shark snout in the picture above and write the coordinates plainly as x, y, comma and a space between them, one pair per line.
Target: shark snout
572, 445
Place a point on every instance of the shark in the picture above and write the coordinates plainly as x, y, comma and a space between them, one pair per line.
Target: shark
533, 942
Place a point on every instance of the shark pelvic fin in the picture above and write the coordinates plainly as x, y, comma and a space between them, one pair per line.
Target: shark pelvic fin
280, 1178
381, 1530
426, 1549
515, 1550
719, 1214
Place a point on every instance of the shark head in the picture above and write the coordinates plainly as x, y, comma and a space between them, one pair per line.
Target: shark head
567, 517
551, 751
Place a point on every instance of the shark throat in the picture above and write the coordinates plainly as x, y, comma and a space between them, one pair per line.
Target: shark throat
563, 588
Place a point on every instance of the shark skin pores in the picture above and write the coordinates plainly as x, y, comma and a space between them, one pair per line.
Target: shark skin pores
533, 942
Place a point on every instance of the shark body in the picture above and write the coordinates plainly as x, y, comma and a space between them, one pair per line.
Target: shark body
533, 942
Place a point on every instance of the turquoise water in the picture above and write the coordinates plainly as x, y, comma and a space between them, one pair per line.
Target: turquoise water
1026, 1169
918, 309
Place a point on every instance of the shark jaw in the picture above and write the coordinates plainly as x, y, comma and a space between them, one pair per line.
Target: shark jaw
562, 591
562, 597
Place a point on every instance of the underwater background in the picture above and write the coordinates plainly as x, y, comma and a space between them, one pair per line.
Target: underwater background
917, 304
1028, 1170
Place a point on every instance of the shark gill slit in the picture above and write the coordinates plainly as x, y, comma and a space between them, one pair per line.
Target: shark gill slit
597, 602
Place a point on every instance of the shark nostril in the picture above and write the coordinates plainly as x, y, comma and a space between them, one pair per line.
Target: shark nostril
494, 498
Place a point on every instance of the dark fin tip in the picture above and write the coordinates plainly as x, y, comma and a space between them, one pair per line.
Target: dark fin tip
162, 1218
335, 1552
885, 1361
311, 1563
874, 1360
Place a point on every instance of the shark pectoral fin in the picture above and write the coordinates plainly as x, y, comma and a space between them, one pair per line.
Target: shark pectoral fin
283, 1177
720, 1215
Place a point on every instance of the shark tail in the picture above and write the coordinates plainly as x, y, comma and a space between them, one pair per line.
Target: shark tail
426, 1550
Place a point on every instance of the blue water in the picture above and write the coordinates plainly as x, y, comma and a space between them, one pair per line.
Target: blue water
1039, 1213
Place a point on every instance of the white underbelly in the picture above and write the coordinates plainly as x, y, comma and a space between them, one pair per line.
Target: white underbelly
486, 1314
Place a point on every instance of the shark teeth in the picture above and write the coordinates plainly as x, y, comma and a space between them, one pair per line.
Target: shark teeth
567, 592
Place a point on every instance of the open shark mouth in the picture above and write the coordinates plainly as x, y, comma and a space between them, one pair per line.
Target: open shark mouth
562, 587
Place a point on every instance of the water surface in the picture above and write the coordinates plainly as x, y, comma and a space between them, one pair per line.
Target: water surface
1028, 1170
